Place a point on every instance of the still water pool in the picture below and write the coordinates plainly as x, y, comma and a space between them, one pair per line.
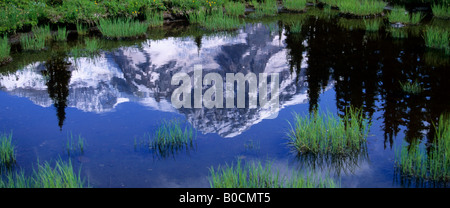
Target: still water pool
115, 98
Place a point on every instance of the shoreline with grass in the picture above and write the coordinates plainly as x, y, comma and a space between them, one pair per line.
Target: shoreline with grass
115, 20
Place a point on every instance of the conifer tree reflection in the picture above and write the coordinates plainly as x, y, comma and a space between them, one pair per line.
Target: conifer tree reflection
57, 76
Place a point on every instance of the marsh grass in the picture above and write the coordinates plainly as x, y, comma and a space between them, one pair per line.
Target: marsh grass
294, 5
122, 28
7, 151
61, 34
61, 175
154, 18
92, 45
265, 8
254, 175
75, 145
5, 49
218, 21
400, 15
416, 18
441, 11
411, 87
437, 38
43, 32
168, 139
33, 42
326, 133
372, 25
361, 7
295, 27
197, 16
81, 29
418, 163
234, 8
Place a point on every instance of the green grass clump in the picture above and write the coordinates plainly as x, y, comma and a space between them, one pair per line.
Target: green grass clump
361, 7
198, 16
169, 138
7, 152
432, 165
43, 32
295, 27
400, 15
36, 41
256, 176
218, 21
416, 18
441, 11
234, 8
265, 8
32, 43
329, 134
61, 34
437, 38
81, 29
122, 28
75, 146
92, 45
295, 5
372, 25
155, 18
61, 175
411, 87
5, 49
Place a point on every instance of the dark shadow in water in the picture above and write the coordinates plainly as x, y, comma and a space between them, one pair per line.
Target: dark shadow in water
57, 76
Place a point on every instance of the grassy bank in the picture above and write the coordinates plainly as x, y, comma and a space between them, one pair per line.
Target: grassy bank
122, 28
5, 50
361, 8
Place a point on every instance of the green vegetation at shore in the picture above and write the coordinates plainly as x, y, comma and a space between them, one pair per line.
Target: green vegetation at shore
7, 151
429, 164
5, 49
60, 175
254, 175
122, 28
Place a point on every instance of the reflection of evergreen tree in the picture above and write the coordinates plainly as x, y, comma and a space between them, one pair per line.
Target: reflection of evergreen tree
58, 77
318, 71
198, 43
412, 71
